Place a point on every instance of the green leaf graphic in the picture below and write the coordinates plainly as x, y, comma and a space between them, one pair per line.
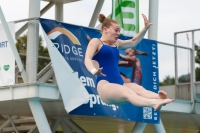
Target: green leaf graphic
6, 67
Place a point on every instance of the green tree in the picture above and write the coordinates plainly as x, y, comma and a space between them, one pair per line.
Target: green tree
197, 57
197, 71
167, 81
21, 45
197, 60
171, 80
184, 78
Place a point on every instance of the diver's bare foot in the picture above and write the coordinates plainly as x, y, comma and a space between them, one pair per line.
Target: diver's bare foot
161, 102
162, 95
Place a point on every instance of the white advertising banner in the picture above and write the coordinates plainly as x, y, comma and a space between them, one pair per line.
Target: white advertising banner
7, 59
73, 92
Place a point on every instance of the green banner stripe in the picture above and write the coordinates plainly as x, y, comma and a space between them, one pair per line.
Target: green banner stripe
128, 15
128, 4
129, 27
119, 19
118, 9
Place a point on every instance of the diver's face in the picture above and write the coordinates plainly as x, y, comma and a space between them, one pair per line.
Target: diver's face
130, 52
112, 32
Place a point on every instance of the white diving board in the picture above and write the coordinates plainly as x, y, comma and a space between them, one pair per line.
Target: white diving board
181, 106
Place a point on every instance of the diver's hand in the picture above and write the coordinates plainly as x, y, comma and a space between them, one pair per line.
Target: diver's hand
99, 72
147, 24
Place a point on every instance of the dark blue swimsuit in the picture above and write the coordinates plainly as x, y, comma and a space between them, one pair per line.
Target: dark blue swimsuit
108, 58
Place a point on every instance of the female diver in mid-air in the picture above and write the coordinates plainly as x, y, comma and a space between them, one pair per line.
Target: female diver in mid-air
130, 60
110, 86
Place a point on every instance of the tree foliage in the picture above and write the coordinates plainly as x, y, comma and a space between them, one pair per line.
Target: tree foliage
197, 60
184, 78
21, 45
167, 81
197, 57
197, 71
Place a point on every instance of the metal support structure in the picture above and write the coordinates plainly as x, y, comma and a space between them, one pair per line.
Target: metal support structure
152, 34
65, 127
46, 73
193, 75
32, 41
49, 74
175, 59
25, 26
13, 125
192, 54
139, 127
31, 67
153, 18
33, 130
96, 13
43, 76
159, 128
39, 57
54, 124
73, 125
6, 123
192, 67
16, 74
193, 59
46, 8
21, 30
59, 12
54, 79
39, 115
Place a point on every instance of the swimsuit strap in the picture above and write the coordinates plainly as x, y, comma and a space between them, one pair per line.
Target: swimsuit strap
103, 43
100, 41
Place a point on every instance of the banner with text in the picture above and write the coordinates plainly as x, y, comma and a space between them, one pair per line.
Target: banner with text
71, 41
7, 59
